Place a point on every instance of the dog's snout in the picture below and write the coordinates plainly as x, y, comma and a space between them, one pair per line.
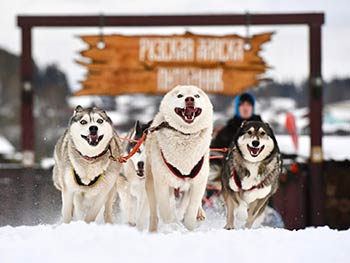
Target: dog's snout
189, 99
140, 165
93, 129
255, 143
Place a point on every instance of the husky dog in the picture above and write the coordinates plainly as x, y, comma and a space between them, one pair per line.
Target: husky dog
177, 155
84, 171
250, 174
131, 182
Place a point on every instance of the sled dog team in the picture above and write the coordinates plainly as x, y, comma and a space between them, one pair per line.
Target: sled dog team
173, 159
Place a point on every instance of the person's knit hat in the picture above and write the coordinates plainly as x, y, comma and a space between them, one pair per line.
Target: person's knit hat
244, 97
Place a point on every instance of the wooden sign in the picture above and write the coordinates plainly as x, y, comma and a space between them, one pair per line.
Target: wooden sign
155, 64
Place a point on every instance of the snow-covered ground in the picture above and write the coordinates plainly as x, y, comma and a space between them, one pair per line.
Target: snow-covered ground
80, 242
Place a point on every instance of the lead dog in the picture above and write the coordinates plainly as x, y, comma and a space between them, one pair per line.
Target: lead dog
177, 155
83, 171
250, 173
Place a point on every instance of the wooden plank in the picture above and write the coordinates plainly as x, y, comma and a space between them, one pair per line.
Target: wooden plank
215, 80
155, 64
172, 20
138, 52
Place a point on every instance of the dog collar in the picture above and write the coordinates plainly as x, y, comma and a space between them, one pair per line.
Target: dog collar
238, 182
88, 158
194, 172
165, 124
79, 182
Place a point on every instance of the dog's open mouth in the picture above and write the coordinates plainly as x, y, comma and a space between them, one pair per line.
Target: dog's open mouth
92, 139
255, 151
140, 172
189, 113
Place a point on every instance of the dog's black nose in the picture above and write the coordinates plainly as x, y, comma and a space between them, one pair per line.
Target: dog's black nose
189, 99
93, 129
255, 143
140, 165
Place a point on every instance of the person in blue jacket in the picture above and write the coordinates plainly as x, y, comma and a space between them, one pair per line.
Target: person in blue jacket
244, 111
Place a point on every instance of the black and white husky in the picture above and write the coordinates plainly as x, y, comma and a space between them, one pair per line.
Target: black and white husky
131, 182
250, 174
84, 172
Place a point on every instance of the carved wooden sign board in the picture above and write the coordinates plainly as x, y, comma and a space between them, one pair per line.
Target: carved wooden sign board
155, 64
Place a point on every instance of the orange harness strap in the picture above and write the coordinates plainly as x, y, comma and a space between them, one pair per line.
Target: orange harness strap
123, 159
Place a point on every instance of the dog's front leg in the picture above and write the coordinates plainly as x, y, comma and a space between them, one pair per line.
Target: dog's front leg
141, 210
183, 205
67, 206
132, 210
108, 213
196, 195
163, 199
229, 212
153, 221
255, 210
96, 207
78, 207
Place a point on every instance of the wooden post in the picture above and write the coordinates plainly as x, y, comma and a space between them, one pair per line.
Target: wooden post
27, 119
316, 180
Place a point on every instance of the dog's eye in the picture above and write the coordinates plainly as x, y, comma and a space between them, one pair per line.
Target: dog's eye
180, 96
99, 121
262, 133
250, 132
83, 122
196, 96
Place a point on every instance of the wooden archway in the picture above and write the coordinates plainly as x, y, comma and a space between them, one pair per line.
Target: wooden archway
314, 21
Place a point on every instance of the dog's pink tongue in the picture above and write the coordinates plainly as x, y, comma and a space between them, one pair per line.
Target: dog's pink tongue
190, 111
254, 150
93, 136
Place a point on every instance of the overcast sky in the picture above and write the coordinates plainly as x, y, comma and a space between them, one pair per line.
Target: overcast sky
287, 54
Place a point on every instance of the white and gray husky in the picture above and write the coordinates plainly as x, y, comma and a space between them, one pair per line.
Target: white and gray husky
177, 155
84, 171
250, 174
131, 182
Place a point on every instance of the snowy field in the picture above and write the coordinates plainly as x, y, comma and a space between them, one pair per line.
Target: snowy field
80, 242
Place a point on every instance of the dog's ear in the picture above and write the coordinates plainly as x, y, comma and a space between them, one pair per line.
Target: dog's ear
272, 135
243, 123
138, 127
78, 109
269, 129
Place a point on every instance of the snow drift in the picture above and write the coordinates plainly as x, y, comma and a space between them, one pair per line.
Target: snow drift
80, 242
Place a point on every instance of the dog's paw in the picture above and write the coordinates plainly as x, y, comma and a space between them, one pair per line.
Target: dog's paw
201, 215
228, 227
190, 224
200, 218
132, 224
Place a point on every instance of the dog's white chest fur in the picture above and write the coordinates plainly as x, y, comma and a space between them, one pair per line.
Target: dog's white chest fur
250, 196
176, 146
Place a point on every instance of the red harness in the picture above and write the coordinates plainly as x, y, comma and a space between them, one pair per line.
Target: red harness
93, 157
239, 183
194, 172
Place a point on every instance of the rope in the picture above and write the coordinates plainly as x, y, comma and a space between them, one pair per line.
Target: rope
216, 157
123, 159
129, 140
223, 150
